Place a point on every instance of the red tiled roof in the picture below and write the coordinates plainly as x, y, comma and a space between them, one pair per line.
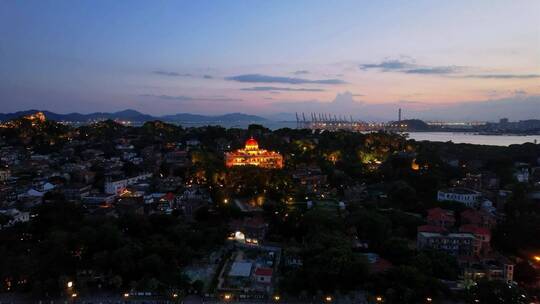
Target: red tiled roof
439, 213
264, 271
169, 196
471, 216
474, 229
431, 228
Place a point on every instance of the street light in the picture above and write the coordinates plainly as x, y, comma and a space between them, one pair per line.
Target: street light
69, 284
126, 295
227, 297
429, 299
277, 298
73, 295
328, 299
379, 299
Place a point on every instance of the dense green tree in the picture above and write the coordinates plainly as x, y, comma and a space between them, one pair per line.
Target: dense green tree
496, 292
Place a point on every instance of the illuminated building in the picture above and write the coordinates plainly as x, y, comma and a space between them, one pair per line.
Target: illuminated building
37, 117
252, 155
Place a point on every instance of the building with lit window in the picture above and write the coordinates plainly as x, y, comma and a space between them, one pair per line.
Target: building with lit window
252, 155
468, 197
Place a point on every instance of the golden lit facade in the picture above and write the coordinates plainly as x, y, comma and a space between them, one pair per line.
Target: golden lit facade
252, 155
38, 116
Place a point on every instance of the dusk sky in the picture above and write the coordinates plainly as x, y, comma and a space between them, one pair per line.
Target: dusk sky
435, 59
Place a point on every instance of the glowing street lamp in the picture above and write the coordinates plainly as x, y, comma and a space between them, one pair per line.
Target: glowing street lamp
328, 299
69, 284
73, 295
379, 299
227, 297
277, 298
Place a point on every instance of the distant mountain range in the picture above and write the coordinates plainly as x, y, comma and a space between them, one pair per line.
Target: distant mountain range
136, 116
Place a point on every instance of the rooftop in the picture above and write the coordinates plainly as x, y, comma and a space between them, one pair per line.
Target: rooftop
451, 235
470, 228
460, 191
440, 213
240, 269
264, 271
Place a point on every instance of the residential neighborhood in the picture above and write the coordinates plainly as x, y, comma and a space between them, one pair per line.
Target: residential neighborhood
158, 211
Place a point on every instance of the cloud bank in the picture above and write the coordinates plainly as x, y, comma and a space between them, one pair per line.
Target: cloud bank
259, 78
170, 74
176, 74
190, 98
410, 67
263, 89
504, 76
515, 107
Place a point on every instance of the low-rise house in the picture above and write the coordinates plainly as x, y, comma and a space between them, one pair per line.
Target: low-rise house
195, 193
15, 216
490, 181
191, 200
441, 218
252, 229
119, 186
4, 175
471, 181
496, 267
263, 275
468, 197
170, 184
478, 217
482, 235
178, 158
522, 175
457, 244
160, 202
97, 199
292, 257
33, 193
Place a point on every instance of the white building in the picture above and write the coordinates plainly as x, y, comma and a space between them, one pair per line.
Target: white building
241, 269
117, 187
4, 175
522, 175
263, 275
465, 196
16, 216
